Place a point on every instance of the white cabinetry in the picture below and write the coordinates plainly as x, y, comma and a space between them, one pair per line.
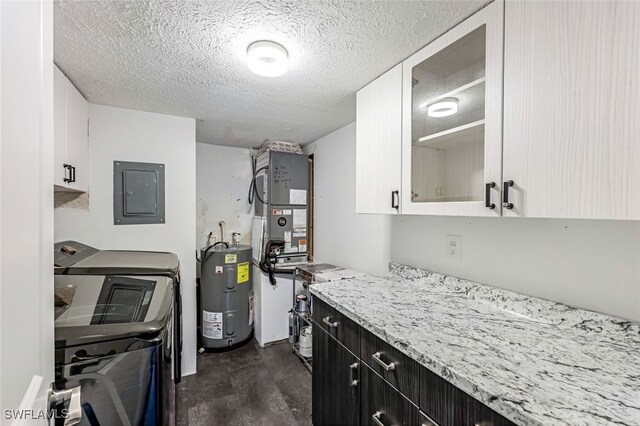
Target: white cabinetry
572, 109
379, 144
59, 128
452, 120
71, 136
566, 144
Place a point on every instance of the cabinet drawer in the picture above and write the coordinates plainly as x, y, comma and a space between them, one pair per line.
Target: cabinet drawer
382, 405
335, 386
337, 325
397, 368
449, 406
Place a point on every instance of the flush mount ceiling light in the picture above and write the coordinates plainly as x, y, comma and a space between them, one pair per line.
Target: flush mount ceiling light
267, 58
443, 108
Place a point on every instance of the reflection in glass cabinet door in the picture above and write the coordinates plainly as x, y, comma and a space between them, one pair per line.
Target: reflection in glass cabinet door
448, 122
450, 112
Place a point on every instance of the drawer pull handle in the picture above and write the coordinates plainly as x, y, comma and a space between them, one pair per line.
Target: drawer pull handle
376, 418
352, 380
327, 320
387, 367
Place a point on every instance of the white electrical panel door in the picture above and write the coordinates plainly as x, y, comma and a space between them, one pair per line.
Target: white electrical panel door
452, 120
379, 144
572, 109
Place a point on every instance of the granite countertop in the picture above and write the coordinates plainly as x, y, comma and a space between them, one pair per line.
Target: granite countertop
534, 361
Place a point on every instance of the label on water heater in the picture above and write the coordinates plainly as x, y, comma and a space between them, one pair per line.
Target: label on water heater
230, 258
212, 324
243, 272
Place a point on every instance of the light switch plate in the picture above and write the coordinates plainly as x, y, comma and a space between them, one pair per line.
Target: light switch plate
453, 247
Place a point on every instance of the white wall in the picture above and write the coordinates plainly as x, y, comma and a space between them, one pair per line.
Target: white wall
592, 264
342, 237
223, 175
26, 203
121, 134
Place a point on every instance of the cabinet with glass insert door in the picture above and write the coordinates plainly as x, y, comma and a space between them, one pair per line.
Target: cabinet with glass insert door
452, 120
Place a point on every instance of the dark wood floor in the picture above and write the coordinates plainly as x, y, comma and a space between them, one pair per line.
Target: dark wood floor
247, 386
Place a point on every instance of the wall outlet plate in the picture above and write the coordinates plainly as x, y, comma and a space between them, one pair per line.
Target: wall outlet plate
453, 247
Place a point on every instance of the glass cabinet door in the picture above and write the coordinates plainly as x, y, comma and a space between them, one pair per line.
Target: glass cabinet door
452, 97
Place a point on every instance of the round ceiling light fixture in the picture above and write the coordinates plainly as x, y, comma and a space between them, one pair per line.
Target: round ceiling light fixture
267, 58
443, 108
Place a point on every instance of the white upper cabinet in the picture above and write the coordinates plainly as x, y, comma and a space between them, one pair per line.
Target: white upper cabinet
59, 128
572, 109
379, 144
452, 120
71, 136
78, 137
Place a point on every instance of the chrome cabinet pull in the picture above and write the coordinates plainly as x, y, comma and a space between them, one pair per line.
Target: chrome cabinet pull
327, 320
387, 367
352, 378
376, 418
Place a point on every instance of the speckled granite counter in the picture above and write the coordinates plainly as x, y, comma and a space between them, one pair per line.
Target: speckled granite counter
533, 361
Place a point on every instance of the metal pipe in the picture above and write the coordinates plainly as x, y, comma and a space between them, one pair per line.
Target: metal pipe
221, 225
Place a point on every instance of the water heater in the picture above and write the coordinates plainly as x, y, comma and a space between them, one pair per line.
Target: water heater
226, 295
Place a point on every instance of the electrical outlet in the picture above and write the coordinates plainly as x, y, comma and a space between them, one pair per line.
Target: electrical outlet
453, 247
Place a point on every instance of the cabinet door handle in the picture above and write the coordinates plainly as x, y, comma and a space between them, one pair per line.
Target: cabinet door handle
487, 195
387, 367
327, 320
353, 381
73, 174
505, 195
67, 168
376, 418
395, 199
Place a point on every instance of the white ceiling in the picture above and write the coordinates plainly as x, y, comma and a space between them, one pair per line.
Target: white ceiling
188, 58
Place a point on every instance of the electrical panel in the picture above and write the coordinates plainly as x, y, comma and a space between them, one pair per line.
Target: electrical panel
138, 193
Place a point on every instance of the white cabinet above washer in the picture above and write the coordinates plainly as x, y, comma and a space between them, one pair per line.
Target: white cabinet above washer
71, 135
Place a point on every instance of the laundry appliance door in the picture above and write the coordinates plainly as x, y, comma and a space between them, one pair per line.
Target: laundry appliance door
124, 382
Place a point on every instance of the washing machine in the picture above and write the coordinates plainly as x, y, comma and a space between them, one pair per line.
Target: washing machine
75, 258
114, 349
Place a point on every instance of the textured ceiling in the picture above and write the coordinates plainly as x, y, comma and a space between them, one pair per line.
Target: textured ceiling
188, 58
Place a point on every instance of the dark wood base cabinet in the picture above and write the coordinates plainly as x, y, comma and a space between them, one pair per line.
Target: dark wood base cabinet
336, 384
381, 404
448, 405
358, 379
